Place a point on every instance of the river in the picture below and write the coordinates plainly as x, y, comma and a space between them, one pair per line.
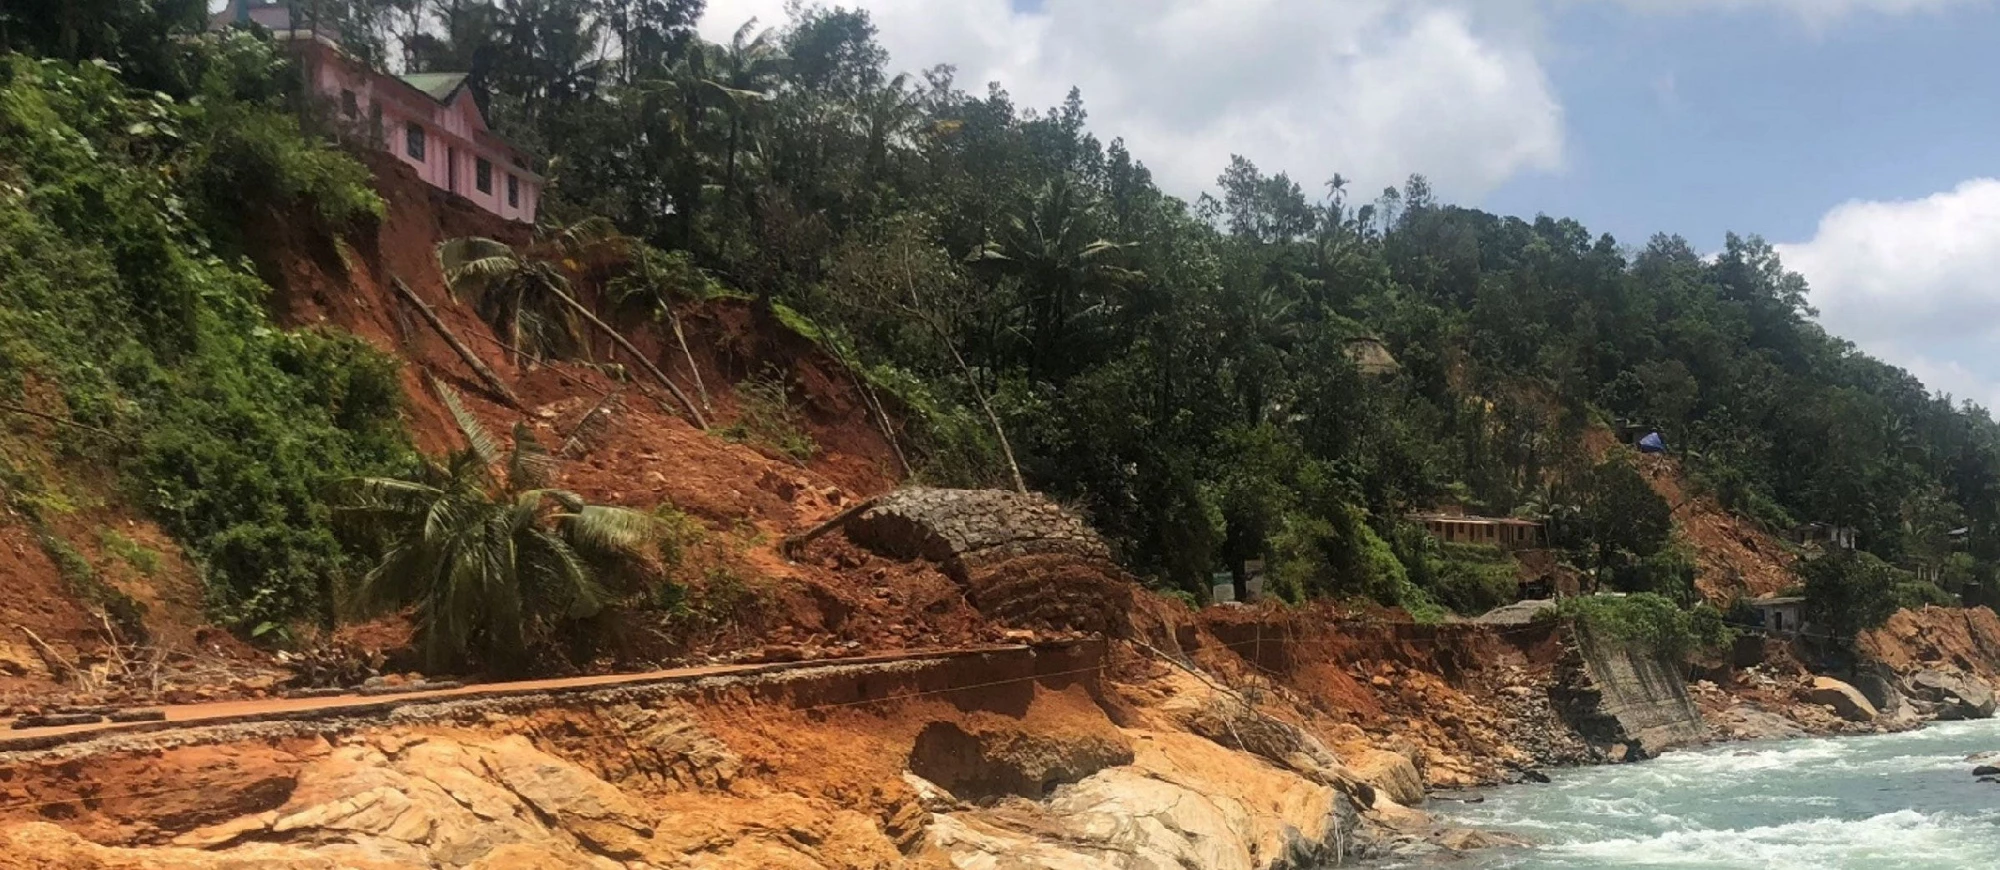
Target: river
1905, 801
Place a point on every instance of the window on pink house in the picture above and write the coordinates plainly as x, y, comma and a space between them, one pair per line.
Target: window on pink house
482, 174
413, 140
349, 106
513, 192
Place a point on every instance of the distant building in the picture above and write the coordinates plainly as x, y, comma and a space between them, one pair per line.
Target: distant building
1780, 616
1825, 535
1504, 532
1371, 356
428, 120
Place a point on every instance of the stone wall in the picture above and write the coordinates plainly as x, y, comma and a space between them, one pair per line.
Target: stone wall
968, 530
1025, 561
1628, 703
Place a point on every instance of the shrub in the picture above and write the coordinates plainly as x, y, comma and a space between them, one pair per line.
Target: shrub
1649, 622
225, 428
767, 418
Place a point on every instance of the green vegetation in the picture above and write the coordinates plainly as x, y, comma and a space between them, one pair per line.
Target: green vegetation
142, 558
1466, 578
767, 418
115, 203
493, 560
1017, 286
1650, 622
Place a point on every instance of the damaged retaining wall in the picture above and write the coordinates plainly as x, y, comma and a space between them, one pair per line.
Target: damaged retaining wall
1628, 703
1025, 561
966, 530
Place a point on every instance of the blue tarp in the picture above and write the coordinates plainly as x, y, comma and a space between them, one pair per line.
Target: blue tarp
1652, 443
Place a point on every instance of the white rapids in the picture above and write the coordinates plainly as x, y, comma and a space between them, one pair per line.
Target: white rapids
1903, 801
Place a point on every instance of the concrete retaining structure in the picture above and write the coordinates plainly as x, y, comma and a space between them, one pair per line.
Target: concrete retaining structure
1628, 703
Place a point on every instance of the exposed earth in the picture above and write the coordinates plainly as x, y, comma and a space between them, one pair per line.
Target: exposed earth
947, 678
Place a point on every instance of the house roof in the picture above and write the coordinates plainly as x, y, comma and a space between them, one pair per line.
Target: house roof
1462, 518
438, 85
1371, 356
1777, 601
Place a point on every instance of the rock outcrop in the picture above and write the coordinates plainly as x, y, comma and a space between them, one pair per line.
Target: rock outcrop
1953, 696
1183, 802
1004, 759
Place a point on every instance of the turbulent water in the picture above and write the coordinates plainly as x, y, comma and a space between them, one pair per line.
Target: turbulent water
1905, 801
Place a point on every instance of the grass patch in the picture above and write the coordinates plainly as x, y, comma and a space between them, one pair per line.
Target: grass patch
767, 418
141, 557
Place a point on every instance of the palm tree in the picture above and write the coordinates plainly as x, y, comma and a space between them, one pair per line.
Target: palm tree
1047, 245
526, 295
743, 75
491, 557
885, 116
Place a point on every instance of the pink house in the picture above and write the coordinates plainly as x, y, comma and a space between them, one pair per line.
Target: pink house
428, 120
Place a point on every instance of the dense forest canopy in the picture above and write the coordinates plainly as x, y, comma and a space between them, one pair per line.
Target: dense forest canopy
1183, 370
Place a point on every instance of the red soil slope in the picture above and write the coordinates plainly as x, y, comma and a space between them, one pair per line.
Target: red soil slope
1734, 557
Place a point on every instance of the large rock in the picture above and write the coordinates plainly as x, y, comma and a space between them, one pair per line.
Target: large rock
1843, 698
1391, 773
1878, 683
1955, 696
1005, 759
968, 529
1184, 802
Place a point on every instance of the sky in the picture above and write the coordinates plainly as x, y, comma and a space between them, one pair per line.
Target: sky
1862, 137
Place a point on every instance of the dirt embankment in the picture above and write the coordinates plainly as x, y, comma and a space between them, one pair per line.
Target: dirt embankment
1966, 640
948, 763
1734, 557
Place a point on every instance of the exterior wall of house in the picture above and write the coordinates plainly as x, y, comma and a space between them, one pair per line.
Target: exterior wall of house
1783, 619
454, 139
1474, 530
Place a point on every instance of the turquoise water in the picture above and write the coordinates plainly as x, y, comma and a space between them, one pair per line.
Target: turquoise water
1905, 801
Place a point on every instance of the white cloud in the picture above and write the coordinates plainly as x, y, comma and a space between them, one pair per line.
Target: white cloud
1916, 282
1373, 89
1815, 12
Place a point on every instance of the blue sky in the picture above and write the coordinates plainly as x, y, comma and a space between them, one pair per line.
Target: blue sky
1860, 136
1759, 121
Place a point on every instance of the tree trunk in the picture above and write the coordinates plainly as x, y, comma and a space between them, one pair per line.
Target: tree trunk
681, 337
874, 404
694, 413
979, 394
492, 381
729, 177
1006, 449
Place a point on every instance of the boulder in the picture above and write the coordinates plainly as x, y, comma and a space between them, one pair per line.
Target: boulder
1184, 801
1986, 770
1469, 839
1391, 773
1002, 758
1955, 696
1843, 698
